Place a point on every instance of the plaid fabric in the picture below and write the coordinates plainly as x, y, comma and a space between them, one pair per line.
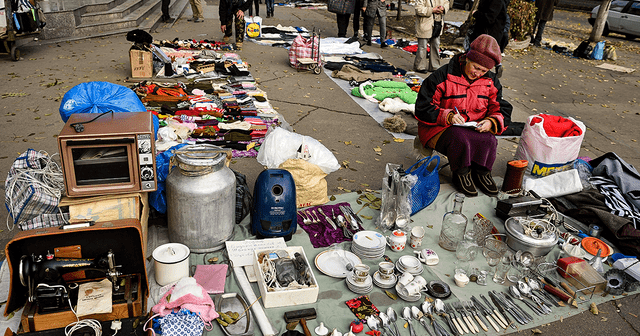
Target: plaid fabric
304, 48
33, 187
341, 6
45, 221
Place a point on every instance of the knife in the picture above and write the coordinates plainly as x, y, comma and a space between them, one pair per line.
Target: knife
485, 312
495, 313
515, 311
501, 311
329, 220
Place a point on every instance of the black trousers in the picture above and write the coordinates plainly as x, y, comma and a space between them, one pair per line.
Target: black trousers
356, 17
165, 8
257, 5
343, 24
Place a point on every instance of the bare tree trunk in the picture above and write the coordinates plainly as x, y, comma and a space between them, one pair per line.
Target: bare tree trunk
399, 10
601, 19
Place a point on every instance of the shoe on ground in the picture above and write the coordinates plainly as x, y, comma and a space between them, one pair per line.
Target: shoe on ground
192, 19
238, 45
352, 39
198, 20
537, 44
463, 181
383, 45
484, 181
225, 39
369, 42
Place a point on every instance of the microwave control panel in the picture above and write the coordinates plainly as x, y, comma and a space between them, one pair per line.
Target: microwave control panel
145, 155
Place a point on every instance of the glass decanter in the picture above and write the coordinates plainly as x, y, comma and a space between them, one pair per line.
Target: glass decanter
454, 224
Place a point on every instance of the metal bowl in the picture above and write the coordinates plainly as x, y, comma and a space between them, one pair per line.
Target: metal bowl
539, 241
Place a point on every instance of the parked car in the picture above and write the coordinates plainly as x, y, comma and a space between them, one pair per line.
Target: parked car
623, 18
464, 4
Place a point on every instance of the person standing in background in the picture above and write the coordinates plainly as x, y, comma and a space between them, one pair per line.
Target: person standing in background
230, 11
428, 12
165, 11
270, 7
543, 14
490, 19
343, 10
373, 9
196, 8
257, 5
356, 19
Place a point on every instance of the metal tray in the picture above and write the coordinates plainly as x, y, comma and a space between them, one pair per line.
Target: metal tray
236, 303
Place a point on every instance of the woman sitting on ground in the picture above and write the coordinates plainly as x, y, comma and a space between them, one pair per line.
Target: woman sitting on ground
463, 91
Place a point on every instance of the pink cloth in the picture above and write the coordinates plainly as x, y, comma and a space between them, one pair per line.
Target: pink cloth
211, 277
199, 305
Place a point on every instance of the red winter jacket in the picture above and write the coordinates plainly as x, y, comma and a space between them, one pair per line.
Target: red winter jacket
447, 88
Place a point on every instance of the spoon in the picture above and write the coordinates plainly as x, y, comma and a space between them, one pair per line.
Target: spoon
537, 288
313, 220
439, 306
373, 322
427, 308
406, 315
385, 323
393, 317
305, 220
419, 315
526, 290
516, 293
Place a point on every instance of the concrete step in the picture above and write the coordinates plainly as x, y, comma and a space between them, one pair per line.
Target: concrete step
98, 6
112, 14
130, 21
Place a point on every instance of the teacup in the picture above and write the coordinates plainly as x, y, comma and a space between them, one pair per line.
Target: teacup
386, 269
361, 270
461, 279
411, 288
405, 278
397, 241
428, 256
420, 280
417, 234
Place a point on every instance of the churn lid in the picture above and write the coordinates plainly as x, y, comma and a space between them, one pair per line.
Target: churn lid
201, 158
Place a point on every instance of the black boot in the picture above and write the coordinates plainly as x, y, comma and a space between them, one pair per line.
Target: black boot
463, 182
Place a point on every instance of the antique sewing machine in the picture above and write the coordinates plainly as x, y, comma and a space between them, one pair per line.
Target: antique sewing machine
43, 275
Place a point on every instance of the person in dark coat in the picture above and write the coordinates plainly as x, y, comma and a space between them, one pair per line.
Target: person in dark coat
165, 11
230, 11
544, 14
461, 91
373, 9
343, 10
490, 19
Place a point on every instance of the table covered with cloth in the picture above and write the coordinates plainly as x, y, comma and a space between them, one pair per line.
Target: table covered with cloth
333, 292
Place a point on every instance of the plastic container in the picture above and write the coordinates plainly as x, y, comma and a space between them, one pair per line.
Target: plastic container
580, 274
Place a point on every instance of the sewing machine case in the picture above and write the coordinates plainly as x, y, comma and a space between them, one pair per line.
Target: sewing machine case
123, 237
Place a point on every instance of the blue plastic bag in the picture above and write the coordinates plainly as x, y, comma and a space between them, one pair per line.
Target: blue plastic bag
598, 51
158, 198
99, 97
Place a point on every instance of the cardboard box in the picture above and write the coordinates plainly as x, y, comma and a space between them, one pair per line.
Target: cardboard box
271, 299
110, 207
141, 63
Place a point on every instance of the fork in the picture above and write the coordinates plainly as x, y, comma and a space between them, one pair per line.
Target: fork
467, 317
469, 305
462, 329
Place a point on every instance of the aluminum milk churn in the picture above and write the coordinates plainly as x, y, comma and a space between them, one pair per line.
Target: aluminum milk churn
201, 198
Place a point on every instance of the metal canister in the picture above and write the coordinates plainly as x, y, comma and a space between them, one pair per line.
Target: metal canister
201, 198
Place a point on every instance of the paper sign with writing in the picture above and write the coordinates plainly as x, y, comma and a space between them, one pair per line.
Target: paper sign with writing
241, 252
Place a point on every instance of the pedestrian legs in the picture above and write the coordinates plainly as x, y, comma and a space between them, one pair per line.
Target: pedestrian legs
196, 8
356, 18
343, 24
538, 38
434, 53
420, 63
269, 4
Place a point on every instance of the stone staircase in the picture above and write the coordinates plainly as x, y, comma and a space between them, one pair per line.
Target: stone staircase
107, 18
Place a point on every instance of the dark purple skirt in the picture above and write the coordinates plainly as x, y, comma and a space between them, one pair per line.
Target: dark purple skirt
465, 147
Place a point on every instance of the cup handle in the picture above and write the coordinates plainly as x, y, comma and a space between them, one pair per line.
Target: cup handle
388, 243
419, 256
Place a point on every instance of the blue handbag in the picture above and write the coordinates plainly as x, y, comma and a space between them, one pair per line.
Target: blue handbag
427, 187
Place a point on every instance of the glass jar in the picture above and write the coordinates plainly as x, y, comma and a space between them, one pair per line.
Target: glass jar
454, 224
467, 249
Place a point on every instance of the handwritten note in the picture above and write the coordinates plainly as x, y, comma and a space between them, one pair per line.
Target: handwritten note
241, 252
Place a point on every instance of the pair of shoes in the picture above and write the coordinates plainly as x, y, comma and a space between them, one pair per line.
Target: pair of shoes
537, 44
463, 182
368, 43
484, 181
238, 45
191, 19
198, 20
383, 45
225, 39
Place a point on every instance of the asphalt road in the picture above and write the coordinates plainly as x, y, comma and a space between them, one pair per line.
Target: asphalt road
536, 80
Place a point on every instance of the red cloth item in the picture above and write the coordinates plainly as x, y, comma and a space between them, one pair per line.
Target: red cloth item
411, 48
557, 126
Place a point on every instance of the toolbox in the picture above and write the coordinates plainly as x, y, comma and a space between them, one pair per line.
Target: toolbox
46, 264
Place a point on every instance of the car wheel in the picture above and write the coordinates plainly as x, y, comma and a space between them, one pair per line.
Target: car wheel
605, 31
467, 5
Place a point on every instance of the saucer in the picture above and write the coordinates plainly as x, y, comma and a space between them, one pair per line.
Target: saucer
382, 283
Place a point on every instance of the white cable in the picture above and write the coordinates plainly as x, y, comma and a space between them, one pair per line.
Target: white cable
90, 323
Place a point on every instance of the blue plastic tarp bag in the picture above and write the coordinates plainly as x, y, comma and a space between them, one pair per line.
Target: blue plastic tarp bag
99, 97
598, 51
158, 198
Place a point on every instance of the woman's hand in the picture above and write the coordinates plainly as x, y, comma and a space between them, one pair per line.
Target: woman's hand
240, 14
484, 126
223, 28
457, 119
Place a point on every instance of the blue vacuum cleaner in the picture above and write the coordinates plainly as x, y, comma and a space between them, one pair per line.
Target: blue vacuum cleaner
274, 205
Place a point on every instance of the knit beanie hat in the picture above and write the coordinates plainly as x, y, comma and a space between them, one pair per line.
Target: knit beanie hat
485, 51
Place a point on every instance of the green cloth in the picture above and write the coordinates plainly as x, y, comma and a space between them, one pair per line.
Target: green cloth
388, 89
330, 306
